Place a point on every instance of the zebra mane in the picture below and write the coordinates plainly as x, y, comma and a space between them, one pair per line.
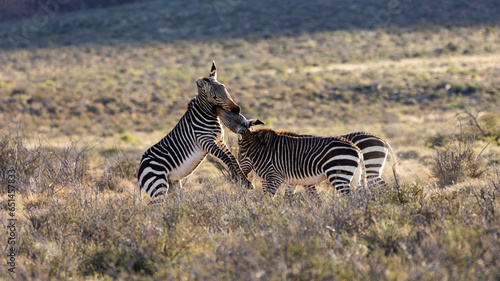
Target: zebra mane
267, 135
292, 134
287, 133
191, 103
263, 136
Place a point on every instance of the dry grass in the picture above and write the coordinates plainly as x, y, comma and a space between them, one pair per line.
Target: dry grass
214, 229
118, 79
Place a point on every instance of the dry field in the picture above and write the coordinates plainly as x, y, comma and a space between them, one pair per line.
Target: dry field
84, 93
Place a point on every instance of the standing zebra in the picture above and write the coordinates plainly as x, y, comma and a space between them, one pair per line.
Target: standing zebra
285, 158
374, 149
198, 133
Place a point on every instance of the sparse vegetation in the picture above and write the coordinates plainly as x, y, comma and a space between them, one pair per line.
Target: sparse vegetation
117, 79
456, 159
215, 230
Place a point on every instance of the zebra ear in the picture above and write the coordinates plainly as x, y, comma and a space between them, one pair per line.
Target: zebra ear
199, 83
213, 71
202, 81
254, 122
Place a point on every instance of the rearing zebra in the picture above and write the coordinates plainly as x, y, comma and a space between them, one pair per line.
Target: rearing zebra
198, 132
285, 158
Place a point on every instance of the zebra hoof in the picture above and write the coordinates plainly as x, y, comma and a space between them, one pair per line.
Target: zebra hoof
246, 183
250, 185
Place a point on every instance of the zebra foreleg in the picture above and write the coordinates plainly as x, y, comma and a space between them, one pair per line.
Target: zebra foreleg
216, 151
271, 186
289, 191
226, 150
245, 162
243, 180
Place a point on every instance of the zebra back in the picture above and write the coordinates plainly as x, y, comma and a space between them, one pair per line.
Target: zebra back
299, 158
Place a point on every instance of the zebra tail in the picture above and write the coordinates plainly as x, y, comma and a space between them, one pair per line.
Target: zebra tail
395, 172
363, 171
139, 194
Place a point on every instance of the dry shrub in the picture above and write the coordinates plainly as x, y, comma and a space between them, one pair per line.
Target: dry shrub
212, 233
44, 168
456, 159
67, 166
486, 125
119, 168
15, 156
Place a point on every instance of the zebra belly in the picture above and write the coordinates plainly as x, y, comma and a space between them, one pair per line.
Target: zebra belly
314, 179
188, 165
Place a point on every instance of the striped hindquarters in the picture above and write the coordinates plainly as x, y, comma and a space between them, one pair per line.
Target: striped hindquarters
340, 162
374, 151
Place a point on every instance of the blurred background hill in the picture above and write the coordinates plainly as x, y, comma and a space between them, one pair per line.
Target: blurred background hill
141, 22
14, 9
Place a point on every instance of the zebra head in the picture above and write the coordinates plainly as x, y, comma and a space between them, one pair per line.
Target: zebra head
237, 123
215, 92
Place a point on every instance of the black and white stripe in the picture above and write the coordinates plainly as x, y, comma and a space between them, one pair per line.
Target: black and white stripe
374, 149
284, 157
198, 132
281, 158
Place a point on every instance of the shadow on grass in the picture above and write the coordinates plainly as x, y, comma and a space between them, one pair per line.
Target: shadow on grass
147, 22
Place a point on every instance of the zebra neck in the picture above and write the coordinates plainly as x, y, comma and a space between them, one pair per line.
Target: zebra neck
202, 105
250, 149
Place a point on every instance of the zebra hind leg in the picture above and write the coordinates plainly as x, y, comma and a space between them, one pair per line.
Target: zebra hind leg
376, 182
289, 191
139, 194
311, 190
160, 194
271, 187
341, 184
175, 186
159, 199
